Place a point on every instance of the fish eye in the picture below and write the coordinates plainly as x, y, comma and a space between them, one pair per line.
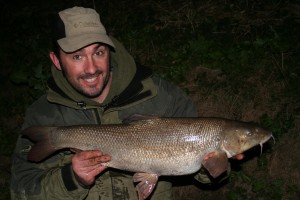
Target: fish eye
249, 133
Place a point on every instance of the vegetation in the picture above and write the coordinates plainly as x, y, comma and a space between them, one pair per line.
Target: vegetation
236, 59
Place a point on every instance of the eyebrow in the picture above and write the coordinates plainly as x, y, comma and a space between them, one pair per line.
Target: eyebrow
99, 45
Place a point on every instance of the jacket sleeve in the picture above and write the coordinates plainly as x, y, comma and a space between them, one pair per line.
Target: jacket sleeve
50, 179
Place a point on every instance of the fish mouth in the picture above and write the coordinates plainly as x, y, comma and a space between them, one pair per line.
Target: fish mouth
264, 141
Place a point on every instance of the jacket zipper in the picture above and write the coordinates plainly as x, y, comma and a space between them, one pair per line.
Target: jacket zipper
96, 115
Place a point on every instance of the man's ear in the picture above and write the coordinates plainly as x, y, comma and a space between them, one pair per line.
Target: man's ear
55, 60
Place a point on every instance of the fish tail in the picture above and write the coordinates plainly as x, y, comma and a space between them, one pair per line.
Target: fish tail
42, 147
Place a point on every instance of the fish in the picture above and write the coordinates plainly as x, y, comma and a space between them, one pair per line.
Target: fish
152, 146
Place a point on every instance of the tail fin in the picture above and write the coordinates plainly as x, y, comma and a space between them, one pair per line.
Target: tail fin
42, 147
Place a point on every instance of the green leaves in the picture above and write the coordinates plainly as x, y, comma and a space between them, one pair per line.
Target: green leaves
279, 125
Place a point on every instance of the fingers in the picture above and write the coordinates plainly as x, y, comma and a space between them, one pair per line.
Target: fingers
91, 171
238, 157
87, 165
90, 158
87, 177
208, 156
94, 171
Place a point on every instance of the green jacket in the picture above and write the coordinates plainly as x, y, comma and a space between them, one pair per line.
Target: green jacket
134, 90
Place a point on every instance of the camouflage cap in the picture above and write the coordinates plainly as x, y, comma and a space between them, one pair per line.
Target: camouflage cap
78, 27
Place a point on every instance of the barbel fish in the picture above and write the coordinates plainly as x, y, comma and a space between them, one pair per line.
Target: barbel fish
153, 146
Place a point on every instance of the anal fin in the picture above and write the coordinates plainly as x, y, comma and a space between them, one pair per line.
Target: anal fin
146, 185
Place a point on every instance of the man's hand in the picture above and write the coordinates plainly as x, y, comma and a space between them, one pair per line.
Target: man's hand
238, 157
87, 165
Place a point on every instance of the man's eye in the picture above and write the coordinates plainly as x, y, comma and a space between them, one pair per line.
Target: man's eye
76, 57
99, 53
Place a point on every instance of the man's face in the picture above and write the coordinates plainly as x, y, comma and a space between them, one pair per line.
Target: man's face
87, 69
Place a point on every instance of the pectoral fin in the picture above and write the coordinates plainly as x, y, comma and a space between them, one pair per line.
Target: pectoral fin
215, 163
146, 185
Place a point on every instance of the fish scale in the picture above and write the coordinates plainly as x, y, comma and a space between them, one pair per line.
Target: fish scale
153, 146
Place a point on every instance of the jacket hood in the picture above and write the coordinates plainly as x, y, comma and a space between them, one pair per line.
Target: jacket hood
123, 68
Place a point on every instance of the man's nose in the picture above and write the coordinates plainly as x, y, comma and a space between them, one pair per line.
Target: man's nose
90, 66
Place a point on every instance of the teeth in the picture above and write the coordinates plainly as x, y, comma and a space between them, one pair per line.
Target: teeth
90, 79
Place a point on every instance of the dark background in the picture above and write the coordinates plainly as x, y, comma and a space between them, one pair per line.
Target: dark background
236, 59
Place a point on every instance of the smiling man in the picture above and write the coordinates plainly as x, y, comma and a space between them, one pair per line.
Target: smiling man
94, 81
87, 70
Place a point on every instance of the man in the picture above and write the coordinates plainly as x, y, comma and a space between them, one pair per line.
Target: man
95, 81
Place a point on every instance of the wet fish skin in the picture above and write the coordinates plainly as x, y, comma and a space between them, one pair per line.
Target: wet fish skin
154, 146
